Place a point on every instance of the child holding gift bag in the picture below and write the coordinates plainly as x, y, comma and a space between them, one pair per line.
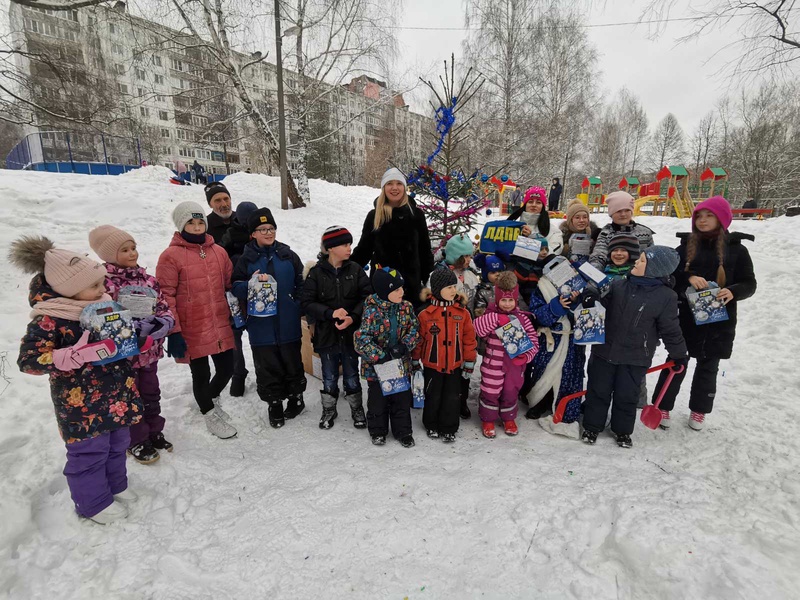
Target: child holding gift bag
94, 405
117, 249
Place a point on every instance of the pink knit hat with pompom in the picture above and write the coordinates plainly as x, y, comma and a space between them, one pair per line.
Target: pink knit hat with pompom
719, 207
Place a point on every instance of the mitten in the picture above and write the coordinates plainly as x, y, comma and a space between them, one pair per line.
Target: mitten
145, 343
503, 320
398, 350
74, 357
520, 360
466, 369
680, 364
176, 345
161, 328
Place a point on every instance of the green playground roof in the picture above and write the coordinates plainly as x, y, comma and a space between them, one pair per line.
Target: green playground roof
678, 170
594, 180
632, 180
718, 171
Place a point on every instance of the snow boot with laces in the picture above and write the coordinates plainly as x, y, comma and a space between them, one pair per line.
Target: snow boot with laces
356, 409
697, 420
329, 413
294, 406
144, 453
218, 426
664, 419
220, 411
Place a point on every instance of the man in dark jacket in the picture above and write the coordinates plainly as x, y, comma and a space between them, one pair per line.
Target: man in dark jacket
641, 309
333, 297
222, 214
554, 197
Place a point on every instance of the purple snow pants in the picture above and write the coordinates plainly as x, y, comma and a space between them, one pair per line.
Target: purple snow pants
96, 470
151, 422
503, 406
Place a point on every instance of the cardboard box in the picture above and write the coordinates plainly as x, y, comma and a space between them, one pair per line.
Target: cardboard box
311, 361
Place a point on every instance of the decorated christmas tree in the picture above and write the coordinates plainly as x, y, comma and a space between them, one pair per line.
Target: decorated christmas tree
449, 196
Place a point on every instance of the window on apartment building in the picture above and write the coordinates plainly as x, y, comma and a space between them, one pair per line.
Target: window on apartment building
123, 89
119, 69
159, 79
169, 165
91, 19
140, 74
163, 115
182, 134
144, 111
157, 61
48, 29
139, 92
161, 98
69, 35
112, 28
176, 64
165, 133
117, 49
166, 150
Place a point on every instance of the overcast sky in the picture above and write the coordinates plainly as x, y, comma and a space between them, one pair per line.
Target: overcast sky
667, 76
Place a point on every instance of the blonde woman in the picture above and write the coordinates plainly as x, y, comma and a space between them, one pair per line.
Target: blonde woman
395, 234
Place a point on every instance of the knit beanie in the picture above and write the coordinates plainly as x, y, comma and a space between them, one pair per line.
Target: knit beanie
214, 188
626, 241
67, 272
243, 212
393, 174
661, 261
458, 246
262, 216
335, 236
491, 264
574, 207
106, 241
185, 212
619, 200
535, 193
506, 287
385, 281
441, 278
717, 205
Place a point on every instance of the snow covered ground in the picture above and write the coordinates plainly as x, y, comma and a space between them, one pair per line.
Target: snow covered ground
304, 513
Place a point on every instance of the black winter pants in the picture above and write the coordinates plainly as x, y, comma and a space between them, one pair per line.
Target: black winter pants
606, 380
239, 366
442, 402
381, 410
204, 387
704, 387
279, 371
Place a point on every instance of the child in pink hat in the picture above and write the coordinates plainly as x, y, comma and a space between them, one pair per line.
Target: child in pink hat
710, 253
620, 209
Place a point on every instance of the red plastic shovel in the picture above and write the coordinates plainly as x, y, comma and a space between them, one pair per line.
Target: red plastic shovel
651, 415
562, 404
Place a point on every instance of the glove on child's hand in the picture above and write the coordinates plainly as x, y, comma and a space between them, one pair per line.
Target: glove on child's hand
156, 327
398, 350
520, 360
503, 320
176, 346
680, 364
466, 369
74, 357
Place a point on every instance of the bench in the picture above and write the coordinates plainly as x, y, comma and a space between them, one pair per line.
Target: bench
760, 213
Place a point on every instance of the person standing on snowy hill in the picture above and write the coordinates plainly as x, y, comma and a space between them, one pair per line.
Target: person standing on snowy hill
710, 253
194, 274
275, 340
620, 209
117, 249
395, 233
94, 404
533, 213
641, 309
554, 197
222, 215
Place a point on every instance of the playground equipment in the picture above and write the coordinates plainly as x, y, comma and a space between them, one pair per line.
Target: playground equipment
676, 202
630, 184
592, 194
717, 180
502, 185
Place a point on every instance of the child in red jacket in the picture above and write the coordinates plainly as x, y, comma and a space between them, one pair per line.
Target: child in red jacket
117, 249
447, 351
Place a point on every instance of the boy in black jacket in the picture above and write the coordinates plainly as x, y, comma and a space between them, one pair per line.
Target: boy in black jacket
640, 309
333, 297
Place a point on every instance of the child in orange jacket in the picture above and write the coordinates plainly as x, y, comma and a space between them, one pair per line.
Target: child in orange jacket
447, 351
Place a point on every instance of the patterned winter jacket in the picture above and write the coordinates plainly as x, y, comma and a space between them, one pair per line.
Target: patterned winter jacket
383, 324
447, 337
119, 277
599, 256
89, 401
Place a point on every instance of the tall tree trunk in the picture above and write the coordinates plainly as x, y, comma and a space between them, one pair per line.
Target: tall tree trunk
301, 171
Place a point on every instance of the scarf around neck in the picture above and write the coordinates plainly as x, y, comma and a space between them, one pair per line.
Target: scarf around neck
64, 308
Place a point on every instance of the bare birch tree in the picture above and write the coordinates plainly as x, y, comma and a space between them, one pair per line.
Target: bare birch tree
667, 142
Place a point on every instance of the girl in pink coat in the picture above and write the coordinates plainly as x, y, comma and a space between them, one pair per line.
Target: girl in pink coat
501, 375
194, 274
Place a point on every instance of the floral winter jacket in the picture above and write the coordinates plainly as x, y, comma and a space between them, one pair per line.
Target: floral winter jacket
384, 324
119, 277
89, 401
194, 278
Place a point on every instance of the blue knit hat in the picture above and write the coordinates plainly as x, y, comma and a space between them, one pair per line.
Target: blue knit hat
458, 246
491, 264
661, 261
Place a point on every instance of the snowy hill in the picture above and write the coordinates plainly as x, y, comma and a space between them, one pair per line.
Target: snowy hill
303, 513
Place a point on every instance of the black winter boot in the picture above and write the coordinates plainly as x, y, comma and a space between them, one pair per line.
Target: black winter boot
159, 442
294, 406
329, 413
144, 453
237, 386
357, 410
276, 414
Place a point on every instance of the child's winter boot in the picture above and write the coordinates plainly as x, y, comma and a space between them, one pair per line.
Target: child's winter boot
448, 438
624, 441
220, 411
433, 434
114, 512
238, 385
329, 413
465, 412
664, 419
276, 414
590, 437
378, 440
294, 406
357, 410
407, 441
510, 427
488, 430
127, 495
696, 420
217, 426
144, 453
159, 442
